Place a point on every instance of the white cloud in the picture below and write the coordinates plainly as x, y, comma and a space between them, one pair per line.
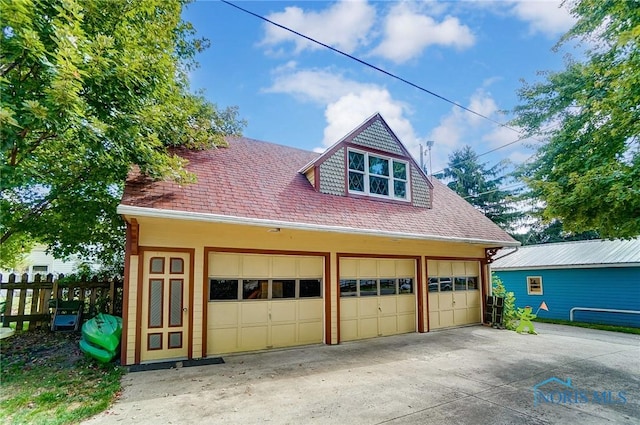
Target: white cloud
459, 128
407, 32
548, 17
317, 85
351, 110
347, 103
344, 25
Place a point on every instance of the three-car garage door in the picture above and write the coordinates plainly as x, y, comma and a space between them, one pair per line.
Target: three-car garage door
377, 297
263, 301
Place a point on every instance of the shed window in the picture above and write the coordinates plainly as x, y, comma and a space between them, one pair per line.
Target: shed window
534, 285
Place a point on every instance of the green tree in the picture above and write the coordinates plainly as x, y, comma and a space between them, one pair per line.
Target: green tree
588, 171
480, 186
90, 88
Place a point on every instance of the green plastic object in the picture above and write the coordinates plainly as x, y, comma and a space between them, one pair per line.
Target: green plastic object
101, 337
100, 354
103, 331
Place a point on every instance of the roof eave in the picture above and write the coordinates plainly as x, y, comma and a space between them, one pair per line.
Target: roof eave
564, 266
250, 221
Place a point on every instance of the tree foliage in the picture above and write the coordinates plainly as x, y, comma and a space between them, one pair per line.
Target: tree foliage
88, 89
480, 186
588, 171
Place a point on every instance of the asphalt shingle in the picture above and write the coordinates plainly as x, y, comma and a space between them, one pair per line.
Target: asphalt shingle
260, 180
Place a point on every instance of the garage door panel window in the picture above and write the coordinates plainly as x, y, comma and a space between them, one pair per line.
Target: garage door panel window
263, 289
388, 287
472, 283
223, 289
310, 288
283, 289
255, 289
448, 284
375, 287
348, 288
368, 287
405, 285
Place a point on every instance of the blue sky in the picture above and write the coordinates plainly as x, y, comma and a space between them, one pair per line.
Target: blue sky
295, 93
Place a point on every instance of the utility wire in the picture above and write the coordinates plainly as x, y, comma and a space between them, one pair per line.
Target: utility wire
373, 67
495, 190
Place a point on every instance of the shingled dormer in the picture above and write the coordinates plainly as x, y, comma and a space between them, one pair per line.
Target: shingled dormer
370, 162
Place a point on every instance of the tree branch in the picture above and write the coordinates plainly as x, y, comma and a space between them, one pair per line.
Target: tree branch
39, 208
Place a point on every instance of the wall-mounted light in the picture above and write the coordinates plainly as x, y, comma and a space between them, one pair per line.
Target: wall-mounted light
274, 230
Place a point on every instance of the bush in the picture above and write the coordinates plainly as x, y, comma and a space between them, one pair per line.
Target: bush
509, 314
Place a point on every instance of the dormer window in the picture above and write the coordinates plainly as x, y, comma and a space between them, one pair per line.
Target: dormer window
378, 175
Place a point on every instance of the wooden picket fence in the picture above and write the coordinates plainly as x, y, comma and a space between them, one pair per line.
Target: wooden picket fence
29, 301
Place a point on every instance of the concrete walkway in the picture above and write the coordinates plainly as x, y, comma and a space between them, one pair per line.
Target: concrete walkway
473, 375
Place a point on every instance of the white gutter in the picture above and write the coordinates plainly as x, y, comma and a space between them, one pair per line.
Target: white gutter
218, 218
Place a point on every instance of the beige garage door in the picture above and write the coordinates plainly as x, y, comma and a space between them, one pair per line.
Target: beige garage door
263, 301
454, 293
377, 297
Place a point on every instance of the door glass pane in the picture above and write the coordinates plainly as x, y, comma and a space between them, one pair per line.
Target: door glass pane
387, 287
175, 339
157, 265
177, 265
223, 289
155, 302
255, 289
175, 302
348, 288
461, 283
154, 342
283, 289
378, 166
310, 288
368, 287
406, 285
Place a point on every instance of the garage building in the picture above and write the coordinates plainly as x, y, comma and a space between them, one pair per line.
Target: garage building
278, 247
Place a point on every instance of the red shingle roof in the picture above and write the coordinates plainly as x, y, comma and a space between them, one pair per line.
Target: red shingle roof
259, 180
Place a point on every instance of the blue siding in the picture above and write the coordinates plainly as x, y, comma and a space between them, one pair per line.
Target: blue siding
616, 288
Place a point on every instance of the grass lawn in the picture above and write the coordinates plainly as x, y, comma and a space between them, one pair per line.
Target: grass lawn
612, 328
46, 379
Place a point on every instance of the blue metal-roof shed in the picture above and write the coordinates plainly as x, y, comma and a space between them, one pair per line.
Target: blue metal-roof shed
596, 274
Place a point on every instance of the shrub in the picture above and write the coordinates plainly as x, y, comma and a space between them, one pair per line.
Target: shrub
510, 315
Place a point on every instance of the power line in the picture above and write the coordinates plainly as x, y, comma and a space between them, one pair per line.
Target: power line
519, 139
495, 190
522, 136
373, 67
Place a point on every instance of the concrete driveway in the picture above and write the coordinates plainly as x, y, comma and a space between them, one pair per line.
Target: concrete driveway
472, 375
